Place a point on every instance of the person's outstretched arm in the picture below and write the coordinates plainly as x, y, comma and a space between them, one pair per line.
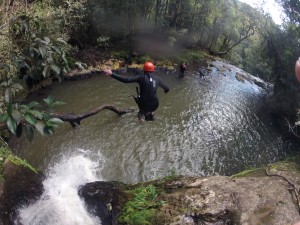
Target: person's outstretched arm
297, 69
163, 86
124, 79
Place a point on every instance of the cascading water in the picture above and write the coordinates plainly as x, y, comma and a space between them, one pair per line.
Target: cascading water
60, 203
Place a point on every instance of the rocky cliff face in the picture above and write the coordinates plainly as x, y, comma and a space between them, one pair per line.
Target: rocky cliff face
259, 197
225, 200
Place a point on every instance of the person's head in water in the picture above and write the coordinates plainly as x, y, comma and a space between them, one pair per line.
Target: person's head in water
149, 67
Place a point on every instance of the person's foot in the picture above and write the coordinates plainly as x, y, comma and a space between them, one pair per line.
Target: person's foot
149, 116
141, 116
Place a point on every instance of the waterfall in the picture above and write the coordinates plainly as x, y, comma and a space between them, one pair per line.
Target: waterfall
60, 203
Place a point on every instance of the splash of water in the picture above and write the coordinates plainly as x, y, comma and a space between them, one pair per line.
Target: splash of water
60, 203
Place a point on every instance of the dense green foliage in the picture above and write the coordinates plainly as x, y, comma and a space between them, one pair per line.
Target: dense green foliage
142, 208
32, 49
29, 116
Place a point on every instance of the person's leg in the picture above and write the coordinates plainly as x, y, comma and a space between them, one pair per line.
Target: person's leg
147, 110
149, 116
141, 115
180, 75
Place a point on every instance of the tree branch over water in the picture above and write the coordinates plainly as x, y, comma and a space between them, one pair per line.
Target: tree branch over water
75, 120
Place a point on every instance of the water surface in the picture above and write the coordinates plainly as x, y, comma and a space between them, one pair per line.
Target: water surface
216, 125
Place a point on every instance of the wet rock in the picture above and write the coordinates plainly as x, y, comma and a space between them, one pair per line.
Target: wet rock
215, 200
104, 199
226, 200
22, 186
240, 75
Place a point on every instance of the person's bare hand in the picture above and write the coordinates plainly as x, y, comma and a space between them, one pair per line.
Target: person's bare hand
297, 69
107, 72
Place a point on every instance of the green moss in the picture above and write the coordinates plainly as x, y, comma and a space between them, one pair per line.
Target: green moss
291, 163
254, 172
142, 208
285, 166
21, 162
5, 153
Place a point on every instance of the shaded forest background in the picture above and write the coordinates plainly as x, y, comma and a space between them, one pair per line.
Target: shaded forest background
40, 38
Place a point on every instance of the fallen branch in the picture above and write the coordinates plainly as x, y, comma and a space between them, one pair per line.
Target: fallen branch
75, 120
80, 74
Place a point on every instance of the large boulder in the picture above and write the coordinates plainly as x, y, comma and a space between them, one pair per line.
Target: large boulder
104, 199
22, 186
225, 200
267, 199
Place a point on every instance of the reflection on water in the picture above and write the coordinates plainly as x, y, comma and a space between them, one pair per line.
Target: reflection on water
202, 127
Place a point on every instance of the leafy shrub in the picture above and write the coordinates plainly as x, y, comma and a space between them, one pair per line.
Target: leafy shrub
103, 42
32, 47
19, 116
121, 54
37, 57
142, 59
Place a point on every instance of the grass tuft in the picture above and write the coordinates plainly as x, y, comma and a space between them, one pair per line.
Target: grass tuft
142, 208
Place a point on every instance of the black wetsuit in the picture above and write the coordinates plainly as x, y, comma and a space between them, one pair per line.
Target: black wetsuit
148, 100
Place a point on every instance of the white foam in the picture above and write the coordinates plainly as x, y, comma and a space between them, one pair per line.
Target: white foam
60, 203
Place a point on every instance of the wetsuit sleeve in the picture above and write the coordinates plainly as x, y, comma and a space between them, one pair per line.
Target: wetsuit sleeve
163, 86
126, 79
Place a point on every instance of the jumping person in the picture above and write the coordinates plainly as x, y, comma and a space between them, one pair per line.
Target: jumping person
149, 82
182, 70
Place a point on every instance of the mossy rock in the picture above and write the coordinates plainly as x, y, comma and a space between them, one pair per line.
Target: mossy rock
255, 172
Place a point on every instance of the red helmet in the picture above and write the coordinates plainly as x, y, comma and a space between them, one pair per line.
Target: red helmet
148, 67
